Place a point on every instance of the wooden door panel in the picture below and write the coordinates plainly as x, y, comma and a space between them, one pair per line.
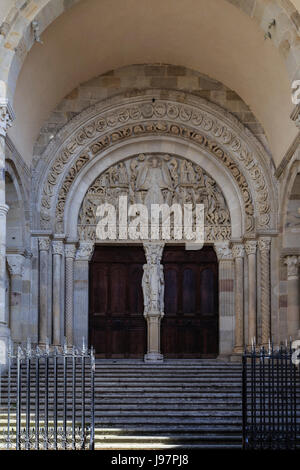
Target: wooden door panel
192, 330
117, 327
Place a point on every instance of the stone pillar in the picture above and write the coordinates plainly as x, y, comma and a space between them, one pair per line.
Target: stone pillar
153, 290
6, 117
264, 245
81, 293
44, 245
57, 251
70, 251
16, 269
226, 297
250, 247
238, 255
293, 319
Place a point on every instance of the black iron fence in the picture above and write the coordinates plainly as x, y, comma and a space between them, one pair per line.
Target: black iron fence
271, 399
47, 399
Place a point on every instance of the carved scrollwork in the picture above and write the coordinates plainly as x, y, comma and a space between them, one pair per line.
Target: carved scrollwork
207, 129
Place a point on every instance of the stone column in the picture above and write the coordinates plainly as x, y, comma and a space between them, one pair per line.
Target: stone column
70, 251
250, 247
238, 255
153, 290
293, 319
6, 117
81, 292
264, 245
16, 269
226, 297
57, 251
44, 245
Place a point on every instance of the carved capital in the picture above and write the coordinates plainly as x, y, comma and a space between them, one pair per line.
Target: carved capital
15, 264
57, 247
223, 251
6, 117
264, 244
238, 250
70, 251
250, 247
292, 263
85, 251
44, 243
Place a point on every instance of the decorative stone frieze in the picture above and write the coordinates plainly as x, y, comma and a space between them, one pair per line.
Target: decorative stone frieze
207, 131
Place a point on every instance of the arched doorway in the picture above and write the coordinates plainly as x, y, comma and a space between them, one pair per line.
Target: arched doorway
190, 324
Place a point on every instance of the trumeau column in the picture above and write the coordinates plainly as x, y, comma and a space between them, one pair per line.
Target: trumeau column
16, 269
153, 290
44, 246
70, 251
226, 297
264, 245
293, 319
57, 251
238, 255
6, 117
250, 247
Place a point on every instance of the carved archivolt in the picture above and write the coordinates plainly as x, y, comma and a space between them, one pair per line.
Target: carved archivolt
157, 179
146, 118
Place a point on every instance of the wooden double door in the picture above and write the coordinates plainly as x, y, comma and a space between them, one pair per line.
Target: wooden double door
117, 327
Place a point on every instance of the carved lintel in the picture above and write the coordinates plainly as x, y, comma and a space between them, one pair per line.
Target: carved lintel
85, 251
292, 263
15, 264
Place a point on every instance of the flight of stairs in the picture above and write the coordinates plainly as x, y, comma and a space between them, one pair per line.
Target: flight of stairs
186, 404
177, 404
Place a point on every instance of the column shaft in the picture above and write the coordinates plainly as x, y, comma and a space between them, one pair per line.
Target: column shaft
69, 302
265, 305
250, 247
15, 267
238, 254
44, 245
57, 248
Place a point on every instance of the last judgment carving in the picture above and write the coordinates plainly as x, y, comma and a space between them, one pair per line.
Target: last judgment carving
157, 179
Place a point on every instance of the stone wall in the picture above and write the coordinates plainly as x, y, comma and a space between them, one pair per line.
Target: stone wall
139, 77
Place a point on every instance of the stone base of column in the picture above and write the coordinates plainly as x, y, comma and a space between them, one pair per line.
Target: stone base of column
236, 357
4, 343
153, 357
238, 350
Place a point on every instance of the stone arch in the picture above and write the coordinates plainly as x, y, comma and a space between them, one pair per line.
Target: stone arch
110, 123
151, 146
292, 179
18, 35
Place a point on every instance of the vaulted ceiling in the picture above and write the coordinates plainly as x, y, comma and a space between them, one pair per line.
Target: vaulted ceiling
210, 36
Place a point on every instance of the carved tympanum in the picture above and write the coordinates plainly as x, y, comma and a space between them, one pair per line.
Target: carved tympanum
157, 179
